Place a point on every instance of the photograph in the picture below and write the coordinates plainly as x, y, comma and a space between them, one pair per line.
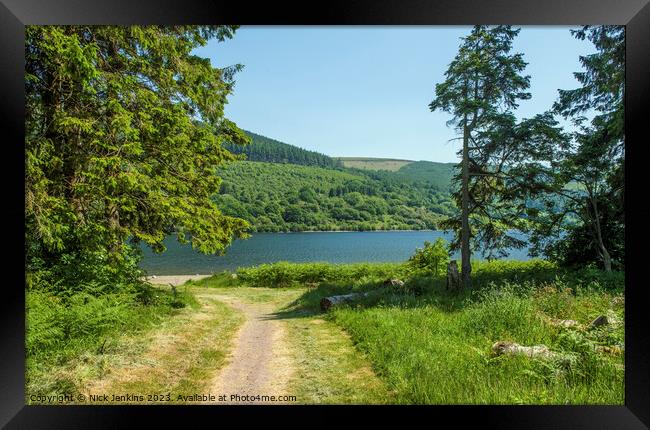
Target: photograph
324, 215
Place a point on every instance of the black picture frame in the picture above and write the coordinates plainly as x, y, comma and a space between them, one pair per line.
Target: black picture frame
15, 14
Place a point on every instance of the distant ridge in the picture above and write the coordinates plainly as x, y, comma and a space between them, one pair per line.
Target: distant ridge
265, 149
269, 150
374, 163
372, 159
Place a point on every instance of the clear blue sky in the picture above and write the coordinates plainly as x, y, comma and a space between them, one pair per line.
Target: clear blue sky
364, 91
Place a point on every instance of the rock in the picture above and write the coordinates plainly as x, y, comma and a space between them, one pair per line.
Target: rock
599, 321
511, 348
152, 277
618, 301
613, 350
394, 282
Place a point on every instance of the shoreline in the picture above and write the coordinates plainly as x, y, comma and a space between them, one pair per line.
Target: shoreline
175, 280
342, 231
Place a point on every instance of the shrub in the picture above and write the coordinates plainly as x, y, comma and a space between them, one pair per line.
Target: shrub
486, 272
285, 274
433, 258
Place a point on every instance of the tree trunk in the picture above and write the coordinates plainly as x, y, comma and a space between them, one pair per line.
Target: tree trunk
113, 217
604, 254
466, 268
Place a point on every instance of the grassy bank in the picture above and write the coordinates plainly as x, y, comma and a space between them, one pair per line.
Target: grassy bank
432, 346
72, 338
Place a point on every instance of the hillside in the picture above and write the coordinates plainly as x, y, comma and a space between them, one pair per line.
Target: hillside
281, 187
273, 151
290, 197
437, 174
369, 163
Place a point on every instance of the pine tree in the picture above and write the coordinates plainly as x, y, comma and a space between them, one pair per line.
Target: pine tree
482, 84
589, 181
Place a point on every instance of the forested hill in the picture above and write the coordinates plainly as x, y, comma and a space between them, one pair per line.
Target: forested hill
272, 151
438, 175
281, 187
289, 197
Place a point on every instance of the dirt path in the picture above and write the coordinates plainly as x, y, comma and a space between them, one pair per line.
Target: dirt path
260, 363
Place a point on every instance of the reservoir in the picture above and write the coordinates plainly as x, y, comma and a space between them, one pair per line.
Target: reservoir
332, 247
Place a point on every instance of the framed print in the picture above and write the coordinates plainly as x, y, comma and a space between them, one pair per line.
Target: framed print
351, 208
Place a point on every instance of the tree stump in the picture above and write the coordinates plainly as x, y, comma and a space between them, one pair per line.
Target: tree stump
453, 277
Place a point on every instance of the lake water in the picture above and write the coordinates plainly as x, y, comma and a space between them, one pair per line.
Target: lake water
332, 247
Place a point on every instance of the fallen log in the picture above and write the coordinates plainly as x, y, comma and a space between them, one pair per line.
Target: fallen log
327, 302
511, 348
613, 350
564, 323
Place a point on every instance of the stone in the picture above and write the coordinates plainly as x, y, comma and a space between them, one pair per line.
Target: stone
394, 282
599, 321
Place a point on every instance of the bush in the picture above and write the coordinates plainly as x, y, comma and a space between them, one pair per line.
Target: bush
433, 258
486, 272
285, 274
92, 272
65, 327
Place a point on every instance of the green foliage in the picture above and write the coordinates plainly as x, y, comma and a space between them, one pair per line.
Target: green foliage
433, 258
123, 132
285, 274
501, 159
592, 212
487, 272
124, 127
435, 347
60, 328
269, 150
438, 174
289, 197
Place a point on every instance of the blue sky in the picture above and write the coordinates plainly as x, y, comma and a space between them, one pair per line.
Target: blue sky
364, 91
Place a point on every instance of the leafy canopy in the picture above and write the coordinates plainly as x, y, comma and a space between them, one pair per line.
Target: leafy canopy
124, 132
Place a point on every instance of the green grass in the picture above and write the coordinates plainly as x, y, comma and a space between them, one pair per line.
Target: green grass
431, 346
69, 339
182, 357
330, 370
413, 344
285, 274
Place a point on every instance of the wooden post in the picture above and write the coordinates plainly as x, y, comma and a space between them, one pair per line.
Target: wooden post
453, 278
